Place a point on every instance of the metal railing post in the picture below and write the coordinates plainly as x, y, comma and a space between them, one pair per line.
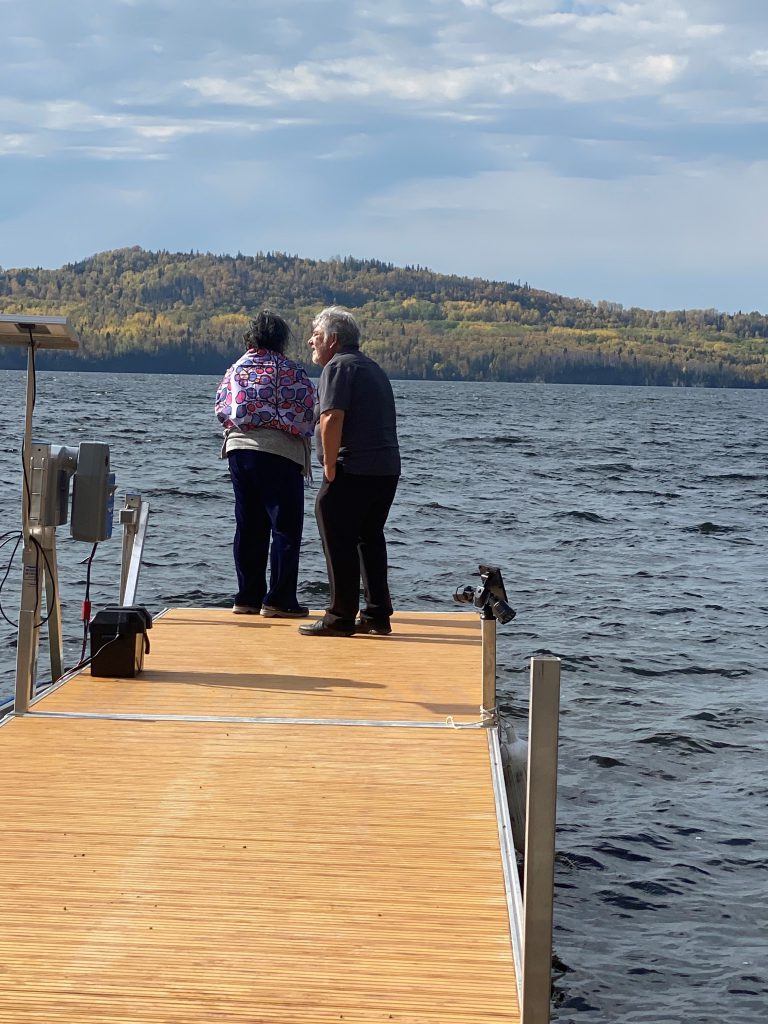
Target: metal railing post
129, 520
488, 639
543, 728
134, 517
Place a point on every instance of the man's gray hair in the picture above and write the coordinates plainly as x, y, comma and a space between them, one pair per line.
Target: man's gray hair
338, 321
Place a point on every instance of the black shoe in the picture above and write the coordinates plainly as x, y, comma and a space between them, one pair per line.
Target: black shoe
269, 611
319, 628
372, 627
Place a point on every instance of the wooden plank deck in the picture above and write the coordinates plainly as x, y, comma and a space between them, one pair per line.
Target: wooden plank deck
161, 868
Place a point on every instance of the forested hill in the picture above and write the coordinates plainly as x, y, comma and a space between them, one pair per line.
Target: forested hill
163, 312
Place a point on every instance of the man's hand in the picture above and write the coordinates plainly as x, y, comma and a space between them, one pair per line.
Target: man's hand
330, 426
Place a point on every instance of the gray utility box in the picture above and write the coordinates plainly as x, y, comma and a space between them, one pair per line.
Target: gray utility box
119, 641
93, 494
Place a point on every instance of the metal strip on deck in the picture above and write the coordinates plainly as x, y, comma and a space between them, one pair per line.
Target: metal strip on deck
211, 662
177, 870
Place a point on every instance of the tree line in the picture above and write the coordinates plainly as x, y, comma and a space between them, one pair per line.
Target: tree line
185, 312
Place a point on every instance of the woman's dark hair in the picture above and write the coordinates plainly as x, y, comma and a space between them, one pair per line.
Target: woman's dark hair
268, 330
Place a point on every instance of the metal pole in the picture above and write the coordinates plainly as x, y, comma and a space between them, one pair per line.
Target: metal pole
32, 561
53, 603
26, 444
544, 711
39, 567
128, 592
129, 518
488, 638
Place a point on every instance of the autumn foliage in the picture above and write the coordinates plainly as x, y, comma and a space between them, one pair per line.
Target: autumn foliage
160, 311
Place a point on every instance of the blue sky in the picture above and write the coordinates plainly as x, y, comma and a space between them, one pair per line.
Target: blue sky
610, 150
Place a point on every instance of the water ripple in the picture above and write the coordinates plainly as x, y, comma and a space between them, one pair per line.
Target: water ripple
629, 524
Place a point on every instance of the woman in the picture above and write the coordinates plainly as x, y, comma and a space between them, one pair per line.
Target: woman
266, 403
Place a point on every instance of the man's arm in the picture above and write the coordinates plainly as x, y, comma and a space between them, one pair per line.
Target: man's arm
331, 423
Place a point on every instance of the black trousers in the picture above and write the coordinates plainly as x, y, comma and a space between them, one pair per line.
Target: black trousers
351, 513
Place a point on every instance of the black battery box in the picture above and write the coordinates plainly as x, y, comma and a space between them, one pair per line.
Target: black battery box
119, 641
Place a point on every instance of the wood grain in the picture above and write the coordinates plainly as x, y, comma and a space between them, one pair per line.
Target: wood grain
182, 871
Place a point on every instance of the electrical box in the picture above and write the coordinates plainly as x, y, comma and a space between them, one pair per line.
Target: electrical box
61, 465
93, 494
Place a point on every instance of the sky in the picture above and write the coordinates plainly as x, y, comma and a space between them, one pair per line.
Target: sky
614, 150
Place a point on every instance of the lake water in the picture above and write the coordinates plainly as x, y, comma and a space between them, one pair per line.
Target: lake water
630, 526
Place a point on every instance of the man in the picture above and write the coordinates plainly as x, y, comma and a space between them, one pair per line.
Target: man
357, 445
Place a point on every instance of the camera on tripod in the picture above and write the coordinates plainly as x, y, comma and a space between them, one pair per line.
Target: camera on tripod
490, 596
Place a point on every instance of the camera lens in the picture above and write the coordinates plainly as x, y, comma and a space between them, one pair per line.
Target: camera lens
501, 611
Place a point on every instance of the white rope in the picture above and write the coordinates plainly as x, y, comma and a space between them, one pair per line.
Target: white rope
489, 718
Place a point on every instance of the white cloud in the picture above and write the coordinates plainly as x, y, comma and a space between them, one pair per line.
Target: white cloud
352, 107
15, 144
615, 16
66, 115
704, 31
563, 234
661, 68
164, 132
221, 90
488, 82
115, 152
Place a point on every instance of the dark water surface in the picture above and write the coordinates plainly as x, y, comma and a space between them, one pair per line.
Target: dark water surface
630, 524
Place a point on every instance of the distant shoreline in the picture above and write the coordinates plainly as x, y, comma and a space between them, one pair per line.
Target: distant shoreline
215, 364
158, 312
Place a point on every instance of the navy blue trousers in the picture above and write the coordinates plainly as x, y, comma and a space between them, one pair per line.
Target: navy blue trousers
269, 506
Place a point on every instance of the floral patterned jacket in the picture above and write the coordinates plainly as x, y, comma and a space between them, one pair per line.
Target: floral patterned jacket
266, 389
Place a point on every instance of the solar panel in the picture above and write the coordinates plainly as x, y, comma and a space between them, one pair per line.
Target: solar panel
46, 331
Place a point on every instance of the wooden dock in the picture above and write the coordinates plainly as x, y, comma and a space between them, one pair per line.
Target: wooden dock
261, 827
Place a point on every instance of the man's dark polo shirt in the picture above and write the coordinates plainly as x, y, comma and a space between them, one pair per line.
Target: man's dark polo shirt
354, 383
